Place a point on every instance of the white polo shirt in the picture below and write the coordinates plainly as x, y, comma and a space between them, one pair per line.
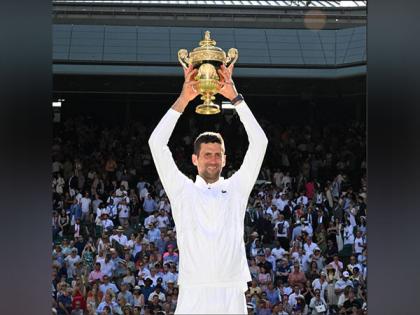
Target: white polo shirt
209, 218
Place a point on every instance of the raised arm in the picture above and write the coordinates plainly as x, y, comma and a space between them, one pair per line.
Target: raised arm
244, 179
172, 179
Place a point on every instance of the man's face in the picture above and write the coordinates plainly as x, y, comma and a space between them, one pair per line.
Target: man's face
210, 161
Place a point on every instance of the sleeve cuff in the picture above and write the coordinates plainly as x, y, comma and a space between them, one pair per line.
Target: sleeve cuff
240, 106
174, 113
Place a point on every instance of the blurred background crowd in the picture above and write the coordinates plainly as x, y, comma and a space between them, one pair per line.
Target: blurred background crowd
114, 247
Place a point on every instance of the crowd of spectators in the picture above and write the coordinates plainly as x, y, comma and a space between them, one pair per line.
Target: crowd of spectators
115, 248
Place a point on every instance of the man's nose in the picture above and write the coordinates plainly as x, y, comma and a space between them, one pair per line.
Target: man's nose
214, 159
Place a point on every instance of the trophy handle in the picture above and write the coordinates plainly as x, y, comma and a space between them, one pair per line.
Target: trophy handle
183, 58
232, 56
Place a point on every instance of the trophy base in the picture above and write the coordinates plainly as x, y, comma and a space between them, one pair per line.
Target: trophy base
207, 109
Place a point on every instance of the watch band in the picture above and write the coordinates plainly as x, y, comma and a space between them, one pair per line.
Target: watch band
238, 98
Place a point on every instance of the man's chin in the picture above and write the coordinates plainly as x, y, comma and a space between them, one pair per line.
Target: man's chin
210, 177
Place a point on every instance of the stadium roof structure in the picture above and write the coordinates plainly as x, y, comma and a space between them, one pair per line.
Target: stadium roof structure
324, 39
311, 4
205, 13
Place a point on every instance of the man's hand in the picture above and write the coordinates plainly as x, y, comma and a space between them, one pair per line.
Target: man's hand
227, 86
189, 90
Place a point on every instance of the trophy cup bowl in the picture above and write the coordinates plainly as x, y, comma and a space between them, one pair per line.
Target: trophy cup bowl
207, 59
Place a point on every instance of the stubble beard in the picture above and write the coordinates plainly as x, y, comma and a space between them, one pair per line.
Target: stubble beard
211, 177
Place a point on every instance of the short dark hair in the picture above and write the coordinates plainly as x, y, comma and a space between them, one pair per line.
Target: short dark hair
208, 137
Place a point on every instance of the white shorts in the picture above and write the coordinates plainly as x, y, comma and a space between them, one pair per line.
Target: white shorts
211, 300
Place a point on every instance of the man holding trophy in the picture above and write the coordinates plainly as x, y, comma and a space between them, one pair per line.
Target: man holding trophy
209, 213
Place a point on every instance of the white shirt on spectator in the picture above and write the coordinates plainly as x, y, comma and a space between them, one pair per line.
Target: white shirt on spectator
149, 220
309, 248
153, 235
107, 224
358, 242
163, 221
123, 211
316, 284
282, 232
122, 239
278, 252
348, 235
161, 296
85, 203
308, 228
302, 199
143, 193
341, 284
280, 203
107, 268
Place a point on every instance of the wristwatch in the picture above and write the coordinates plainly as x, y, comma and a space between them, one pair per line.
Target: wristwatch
237, 99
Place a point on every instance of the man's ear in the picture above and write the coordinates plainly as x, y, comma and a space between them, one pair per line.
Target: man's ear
224, 160
194, 159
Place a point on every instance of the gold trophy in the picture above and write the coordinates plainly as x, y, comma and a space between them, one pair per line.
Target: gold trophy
207, 59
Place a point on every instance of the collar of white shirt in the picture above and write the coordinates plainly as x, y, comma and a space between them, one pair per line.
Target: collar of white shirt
200, 182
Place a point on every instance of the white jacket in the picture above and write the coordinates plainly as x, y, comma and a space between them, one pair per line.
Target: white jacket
209, 218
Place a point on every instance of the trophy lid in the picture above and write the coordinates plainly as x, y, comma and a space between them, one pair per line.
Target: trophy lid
207, 51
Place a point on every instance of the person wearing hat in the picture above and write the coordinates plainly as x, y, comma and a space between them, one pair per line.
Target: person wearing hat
318, 258
119, 237
148, 288
138, 297
342, 283
169, 287
70, 262
170, 255
321, 283
106, 223
297, 230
